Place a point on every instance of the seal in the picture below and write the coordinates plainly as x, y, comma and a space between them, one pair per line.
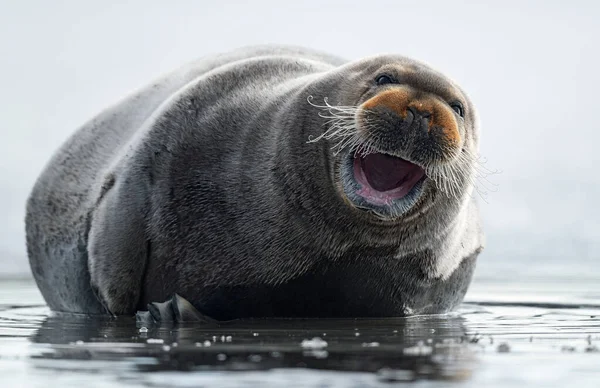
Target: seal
266, 182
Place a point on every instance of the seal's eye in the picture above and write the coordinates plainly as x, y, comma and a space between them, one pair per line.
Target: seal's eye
385, 79
458, 108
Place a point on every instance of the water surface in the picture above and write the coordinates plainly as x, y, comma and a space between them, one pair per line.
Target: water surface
524, 334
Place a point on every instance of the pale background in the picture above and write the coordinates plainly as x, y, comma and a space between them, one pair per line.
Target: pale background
532, 68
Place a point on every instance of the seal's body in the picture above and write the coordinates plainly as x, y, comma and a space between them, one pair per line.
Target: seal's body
266, 182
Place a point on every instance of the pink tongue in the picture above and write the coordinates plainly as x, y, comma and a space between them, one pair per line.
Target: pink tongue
385, 172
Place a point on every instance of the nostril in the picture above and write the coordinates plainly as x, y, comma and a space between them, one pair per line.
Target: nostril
412, 110
416, 113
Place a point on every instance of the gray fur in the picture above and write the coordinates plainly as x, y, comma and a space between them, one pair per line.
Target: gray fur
203, 184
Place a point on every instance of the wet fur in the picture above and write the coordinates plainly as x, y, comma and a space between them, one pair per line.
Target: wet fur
204, 184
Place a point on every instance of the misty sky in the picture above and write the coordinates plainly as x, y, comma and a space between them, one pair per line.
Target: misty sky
531, 67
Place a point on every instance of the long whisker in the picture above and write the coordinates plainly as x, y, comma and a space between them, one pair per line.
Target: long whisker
465, 168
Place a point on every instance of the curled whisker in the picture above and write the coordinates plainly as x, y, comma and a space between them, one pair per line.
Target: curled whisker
340, 128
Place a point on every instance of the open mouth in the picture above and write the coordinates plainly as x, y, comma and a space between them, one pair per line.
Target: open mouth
384, 178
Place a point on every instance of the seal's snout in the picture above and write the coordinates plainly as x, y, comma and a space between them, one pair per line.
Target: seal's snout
407, 133
417, 115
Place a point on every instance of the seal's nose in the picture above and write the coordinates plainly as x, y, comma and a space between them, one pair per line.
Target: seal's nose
413, 106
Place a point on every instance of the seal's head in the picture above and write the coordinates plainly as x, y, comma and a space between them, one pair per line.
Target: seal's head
401, 134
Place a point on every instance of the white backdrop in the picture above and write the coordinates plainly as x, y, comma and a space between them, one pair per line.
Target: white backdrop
532, 68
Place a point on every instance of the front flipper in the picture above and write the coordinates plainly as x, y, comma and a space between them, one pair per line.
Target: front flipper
175, 310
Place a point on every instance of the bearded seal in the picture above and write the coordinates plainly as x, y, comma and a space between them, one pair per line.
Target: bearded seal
266, 182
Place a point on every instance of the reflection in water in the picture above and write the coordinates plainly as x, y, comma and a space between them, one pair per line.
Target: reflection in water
434, 347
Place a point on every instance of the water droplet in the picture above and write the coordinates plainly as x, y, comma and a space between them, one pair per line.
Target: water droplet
420, 349
370, 344
255, 358
316, 353
315, 343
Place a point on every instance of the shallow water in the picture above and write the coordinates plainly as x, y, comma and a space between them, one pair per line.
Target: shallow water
533, 334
